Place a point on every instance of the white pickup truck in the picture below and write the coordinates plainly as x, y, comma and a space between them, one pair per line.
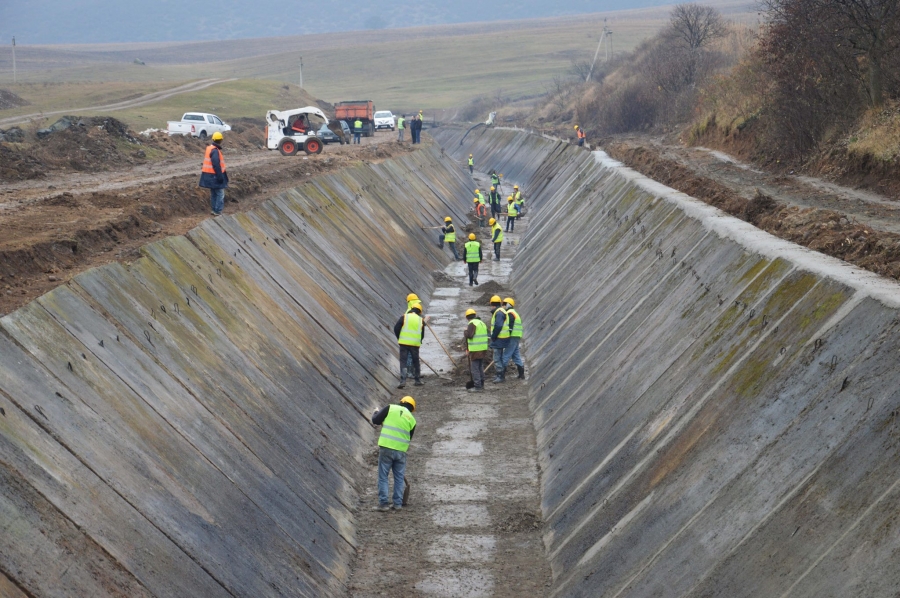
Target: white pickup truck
197, 124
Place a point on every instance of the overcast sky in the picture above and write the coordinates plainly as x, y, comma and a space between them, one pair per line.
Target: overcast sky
98, 21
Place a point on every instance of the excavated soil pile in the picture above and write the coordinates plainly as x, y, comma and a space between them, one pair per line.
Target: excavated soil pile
822, 230
10, 100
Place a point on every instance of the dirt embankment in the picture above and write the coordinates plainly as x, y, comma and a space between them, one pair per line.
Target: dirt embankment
73, 217
827, 231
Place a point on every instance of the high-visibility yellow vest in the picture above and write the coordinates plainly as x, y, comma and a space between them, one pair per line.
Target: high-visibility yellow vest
495, 180
411, 332
479, 342
396, 427
357, 125
512, 209
450, 235
517, 196
516, 331
401, 122
504, 332
481, 198
472, 248
471, 162
494, 229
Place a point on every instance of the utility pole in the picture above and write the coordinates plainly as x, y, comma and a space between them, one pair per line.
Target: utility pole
14, 59
609, 50
301, 72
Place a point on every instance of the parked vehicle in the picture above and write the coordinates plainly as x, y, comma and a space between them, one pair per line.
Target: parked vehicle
328, 136
384, 119
289, 131
363, 110
197, 124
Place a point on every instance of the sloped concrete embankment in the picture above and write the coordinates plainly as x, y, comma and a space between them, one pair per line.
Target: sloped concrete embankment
717, 410
192, 424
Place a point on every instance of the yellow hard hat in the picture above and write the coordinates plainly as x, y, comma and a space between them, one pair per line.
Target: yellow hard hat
471, 236
496, 299
409, 401
475, 200
416, 305
509, 198
448, 219
412, 297
510, 301
515, 186
217, 136
491, 221
470, 155
470, 312
492, 188
476, 191
576, 126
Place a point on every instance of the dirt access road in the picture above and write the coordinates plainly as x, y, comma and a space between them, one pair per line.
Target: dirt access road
857, 226
149, 98
473, 528
66, 222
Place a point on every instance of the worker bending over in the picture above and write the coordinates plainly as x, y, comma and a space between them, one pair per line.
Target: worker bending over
499, 332
397, 428
514, 324
410, 330
496, 237
450, 236
476, 337
473, 258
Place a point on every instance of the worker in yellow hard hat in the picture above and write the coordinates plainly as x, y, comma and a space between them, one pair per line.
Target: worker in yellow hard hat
496, 237
471, 164
495, 179
397, 428
410, 331
476, 339
581, 135
512, 212
449, 236
411, 299
514, 324
214, 174
473, 257
499, 334
494, 198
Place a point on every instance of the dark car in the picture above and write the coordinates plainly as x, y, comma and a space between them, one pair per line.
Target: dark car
327, 136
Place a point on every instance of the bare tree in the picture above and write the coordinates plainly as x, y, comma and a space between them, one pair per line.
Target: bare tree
696, 26
580, 69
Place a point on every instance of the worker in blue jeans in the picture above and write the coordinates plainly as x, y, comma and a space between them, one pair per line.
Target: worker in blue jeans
214, 174
397, 428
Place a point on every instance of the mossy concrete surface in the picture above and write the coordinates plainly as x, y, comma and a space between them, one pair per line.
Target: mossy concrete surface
716, 408
193, 423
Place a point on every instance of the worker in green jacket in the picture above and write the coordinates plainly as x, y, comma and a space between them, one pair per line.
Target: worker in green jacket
397, 428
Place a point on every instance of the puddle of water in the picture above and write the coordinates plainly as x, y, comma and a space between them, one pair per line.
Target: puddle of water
464, 429
474, 412
447, 467
455, 492
457, 583
460, 516
462, 548
460, 448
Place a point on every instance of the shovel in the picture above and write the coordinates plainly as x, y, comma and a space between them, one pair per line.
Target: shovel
471, 382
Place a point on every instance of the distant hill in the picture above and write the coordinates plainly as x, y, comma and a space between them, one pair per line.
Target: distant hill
105, 21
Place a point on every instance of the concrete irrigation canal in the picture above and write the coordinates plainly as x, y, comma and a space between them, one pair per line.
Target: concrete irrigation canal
708, 410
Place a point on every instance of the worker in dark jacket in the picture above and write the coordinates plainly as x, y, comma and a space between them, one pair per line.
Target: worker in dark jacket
499, 331
397, 428
410, 331
450, 236
214, 175
476, 338
496, 237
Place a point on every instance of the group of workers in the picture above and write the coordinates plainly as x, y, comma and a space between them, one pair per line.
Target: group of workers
415, 127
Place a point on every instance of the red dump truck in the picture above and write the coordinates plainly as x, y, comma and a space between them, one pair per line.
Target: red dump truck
363, 110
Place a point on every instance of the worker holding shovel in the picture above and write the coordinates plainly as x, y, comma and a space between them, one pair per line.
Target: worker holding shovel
476, 336
397, 428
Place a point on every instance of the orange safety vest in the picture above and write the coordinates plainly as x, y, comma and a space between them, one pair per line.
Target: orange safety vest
207, 160
581, 134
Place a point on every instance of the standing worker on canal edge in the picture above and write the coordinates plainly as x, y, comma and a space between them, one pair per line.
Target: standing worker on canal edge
581, 135
214, 174
495, 180
410, 330
499, 337
357, 130
511, 213
397, 428
515, 339
496, 237
450, 236
471, 164
401, 126
476, 336
473, 258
